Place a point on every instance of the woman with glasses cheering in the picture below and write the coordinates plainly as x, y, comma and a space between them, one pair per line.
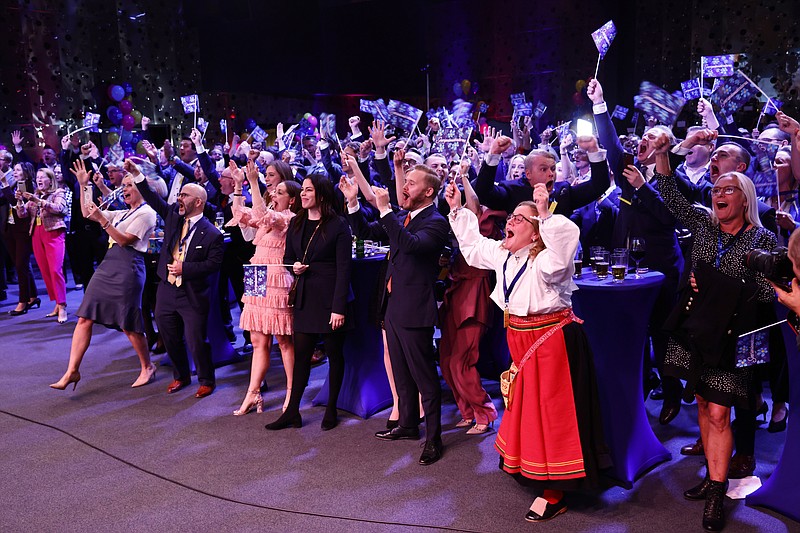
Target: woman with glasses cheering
554, 390
722, 303
114, 294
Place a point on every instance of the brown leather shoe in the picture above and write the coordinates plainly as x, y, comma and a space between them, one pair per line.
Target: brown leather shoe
741, 466
696, 448
176, 385
204, 390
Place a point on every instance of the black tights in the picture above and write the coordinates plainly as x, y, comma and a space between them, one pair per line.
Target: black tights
304, 344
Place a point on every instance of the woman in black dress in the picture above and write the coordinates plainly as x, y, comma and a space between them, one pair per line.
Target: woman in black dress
18, 238
318, 244
723, 305
114, 294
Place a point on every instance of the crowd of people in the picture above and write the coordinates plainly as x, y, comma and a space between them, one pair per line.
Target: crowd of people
140, 236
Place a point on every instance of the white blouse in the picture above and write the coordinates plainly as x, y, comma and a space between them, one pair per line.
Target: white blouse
139, 222
546, 286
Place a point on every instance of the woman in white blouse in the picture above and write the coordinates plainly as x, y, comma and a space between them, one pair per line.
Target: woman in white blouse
114, 294
551, 435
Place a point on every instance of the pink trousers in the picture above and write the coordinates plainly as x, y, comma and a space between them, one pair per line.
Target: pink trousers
48, 248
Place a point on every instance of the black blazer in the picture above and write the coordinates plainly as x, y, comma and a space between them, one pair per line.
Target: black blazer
413, 262
324, 288
204, 253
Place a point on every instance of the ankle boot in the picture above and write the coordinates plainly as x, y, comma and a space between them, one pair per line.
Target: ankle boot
698, 492
714, 512
289, 418
330, 420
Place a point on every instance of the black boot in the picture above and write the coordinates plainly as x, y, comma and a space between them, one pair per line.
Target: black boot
289, 418
714, 512
330, 420
698, 492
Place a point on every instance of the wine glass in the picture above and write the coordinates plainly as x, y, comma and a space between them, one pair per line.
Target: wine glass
637, 250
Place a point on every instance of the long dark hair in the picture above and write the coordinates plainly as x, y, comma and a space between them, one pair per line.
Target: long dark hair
326, 200
28, 175
293, 190
285, 173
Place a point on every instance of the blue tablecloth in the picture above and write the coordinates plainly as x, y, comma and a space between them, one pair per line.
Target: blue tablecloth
781, 490
616, 316
365, 389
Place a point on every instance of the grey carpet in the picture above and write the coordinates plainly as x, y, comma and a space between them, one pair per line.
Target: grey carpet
110, 458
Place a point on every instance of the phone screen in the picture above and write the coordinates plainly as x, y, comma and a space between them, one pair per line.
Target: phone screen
627, 159
21, 186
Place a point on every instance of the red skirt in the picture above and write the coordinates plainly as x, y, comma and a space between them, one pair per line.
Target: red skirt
553, 432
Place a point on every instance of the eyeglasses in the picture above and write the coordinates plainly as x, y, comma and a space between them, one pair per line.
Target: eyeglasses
185, 195
518, 218
719, 191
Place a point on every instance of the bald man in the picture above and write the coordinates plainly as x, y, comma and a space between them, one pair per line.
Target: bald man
190, 256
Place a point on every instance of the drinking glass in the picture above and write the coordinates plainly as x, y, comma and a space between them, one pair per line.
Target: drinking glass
637, 251
601, 263
578, 261
619, 265
594, 251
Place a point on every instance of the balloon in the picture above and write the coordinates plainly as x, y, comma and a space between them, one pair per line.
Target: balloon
114, 114
129, 152
457, 89
466, 85
113, 129
128, 88
125, 136
580, 85
116, 93
475, 87
125, 106
307, 115
140, 148
312, 120
135, 138
250, 124
137, 115
128, 122
113, 137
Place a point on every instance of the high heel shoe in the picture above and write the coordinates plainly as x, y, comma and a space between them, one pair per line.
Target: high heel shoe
36, 302
284, 421
762, 411
62, 314
258, 403
464, 423
780, 425
15, 312
480, 429
330, 420
73, 378
149, 377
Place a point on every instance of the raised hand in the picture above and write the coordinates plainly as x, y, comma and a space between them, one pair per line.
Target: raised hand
366, 148
145, 122
279, 130
499, 145
196, 137
65, 142
546, 134
588, 143
349, 190
453, 196
378, 135
94, 153
16, 138
541, 197
131, 167
353, 122
399, 157
488, 137
704, 136
595, 92
250, 170
787, 123
150, 150
93, 213
381, 198
652, 122
97, 178
252, 155
79, 170
169, 151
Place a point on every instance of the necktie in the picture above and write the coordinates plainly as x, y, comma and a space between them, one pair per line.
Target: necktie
179, 253
405, 223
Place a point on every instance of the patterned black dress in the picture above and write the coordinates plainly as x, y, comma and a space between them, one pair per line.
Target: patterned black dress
723, 386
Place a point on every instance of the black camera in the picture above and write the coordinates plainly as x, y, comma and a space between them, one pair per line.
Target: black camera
774, 264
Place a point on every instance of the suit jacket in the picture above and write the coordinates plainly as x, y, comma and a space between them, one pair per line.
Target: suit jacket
324, 288
506, 195
413, 262
203, 256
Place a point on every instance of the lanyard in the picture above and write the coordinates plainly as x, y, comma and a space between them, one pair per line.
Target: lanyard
507, 289
722, 250
126, 215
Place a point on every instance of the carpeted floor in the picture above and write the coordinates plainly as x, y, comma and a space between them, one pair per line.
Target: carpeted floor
110, 458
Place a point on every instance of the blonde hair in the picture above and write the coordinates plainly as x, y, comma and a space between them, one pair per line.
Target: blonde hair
53, 184
749, 191
538, 244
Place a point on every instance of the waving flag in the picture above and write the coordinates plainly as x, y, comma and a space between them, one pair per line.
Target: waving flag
733, 92
764, 154
223, 126
202, 125
288, 135
484, 107
462, 113
603, 36
691, 89
654, 101
191, 103
771, 108
517, 98
258, 134
766, 182
620, 112
525, 109
367, 106
402, 115
540, 109
717, 66
91, 121
451, 142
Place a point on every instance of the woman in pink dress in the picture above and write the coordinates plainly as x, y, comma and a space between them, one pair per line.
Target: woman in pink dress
265, 316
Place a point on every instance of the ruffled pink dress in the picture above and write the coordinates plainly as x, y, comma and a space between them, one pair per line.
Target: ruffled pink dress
268, 314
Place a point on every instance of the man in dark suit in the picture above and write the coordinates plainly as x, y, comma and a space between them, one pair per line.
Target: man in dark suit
540, 167
191, 254
416, 236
